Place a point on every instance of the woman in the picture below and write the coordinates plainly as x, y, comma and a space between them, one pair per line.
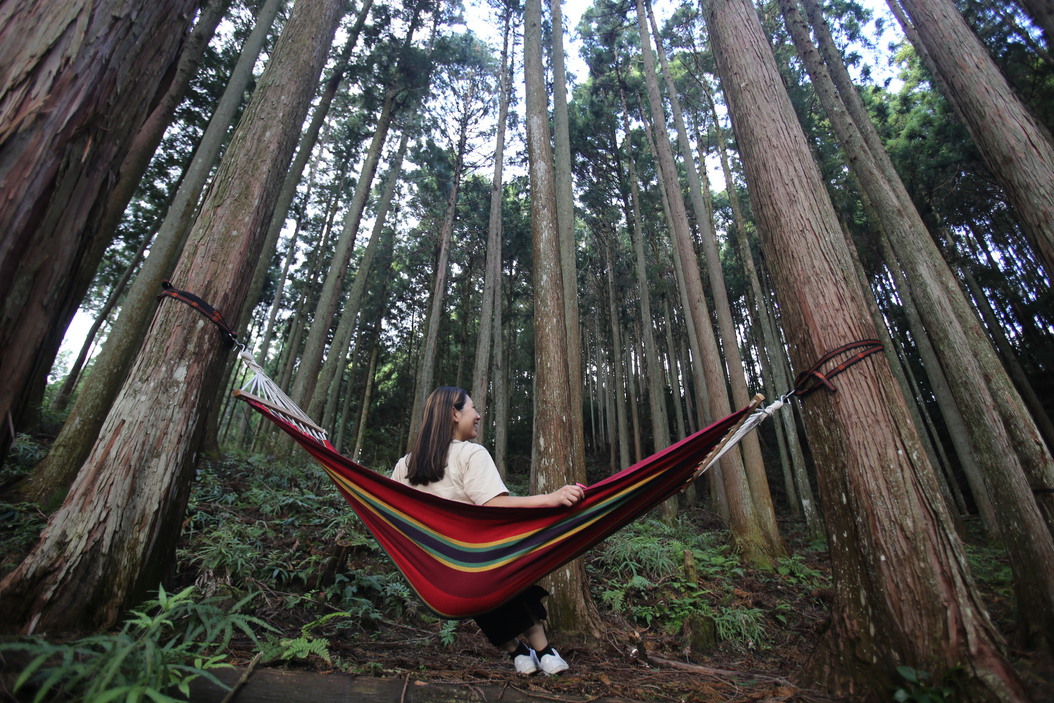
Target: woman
443, 461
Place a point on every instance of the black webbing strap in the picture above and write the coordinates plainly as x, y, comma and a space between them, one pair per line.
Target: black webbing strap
820, 377
213, 315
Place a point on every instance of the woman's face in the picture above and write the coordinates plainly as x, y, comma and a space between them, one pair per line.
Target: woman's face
466, 421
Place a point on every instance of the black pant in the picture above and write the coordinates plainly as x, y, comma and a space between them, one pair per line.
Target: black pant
510, 619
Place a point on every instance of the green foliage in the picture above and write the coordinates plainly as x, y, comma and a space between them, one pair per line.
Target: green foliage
794, 570
448, 632
670, 574
161, 648
919, 687
24, 454
20, 526
286, 649
990, 567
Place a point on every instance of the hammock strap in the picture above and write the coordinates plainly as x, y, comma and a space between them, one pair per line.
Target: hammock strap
817, 377
211, 313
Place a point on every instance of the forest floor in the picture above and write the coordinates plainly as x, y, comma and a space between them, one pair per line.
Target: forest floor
336, 622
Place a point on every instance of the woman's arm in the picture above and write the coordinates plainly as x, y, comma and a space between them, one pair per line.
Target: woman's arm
566, 496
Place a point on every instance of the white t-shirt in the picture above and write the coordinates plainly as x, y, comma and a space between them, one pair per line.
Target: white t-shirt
470, 476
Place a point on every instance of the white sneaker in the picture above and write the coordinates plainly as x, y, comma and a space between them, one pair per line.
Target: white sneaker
526, 664
552, 664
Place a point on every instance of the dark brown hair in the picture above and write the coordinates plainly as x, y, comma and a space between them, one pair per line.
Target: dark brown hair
427, 460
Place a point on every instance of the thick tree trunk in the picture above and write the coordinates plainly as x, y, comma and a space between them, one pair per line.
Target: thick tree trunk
101, 231
571, 607
114, 537
894, 578
984, 395
53, 476
77, 80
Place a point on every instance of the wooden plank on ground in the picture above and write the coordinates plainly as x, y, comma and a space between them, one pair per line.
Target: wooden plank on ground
280, 686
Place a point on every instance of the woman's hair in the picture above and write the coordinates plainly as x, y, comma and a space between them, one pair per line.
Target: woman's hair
428, 451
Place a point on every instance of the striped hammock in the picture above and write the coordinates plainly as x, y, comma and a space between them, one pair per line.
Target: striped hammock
463, 560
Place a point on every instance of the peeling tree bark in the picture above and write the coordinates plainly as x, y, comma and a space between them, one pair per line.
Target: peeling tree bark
70, 106
114, 537
899, 567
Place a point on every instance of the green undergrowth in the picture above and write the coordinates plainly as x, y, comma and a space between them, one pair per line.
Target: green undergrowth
314, 590
680, 580
162, 647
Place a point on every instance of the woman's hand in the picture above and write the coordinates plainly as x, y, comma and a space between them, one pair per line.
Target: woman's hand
563, 497
566, 496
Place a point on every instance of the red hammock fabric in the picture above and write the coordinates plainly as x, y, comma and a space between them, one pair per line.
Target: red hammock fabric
463, 560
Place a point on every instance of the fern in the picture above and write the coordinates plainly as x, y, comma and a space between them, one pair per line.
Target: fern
301, 648
163, 646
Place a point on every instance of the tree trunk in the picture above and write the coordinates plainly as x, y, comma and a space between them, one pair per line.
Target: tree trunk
130, 174
308, 373
1014, 145
303, 154
894, 578
750, 530
114, 537
427, 360
53, 476
333, 368
621, 436
565, 217
77, 80
753, 464
984, 395
492, 268
571, 607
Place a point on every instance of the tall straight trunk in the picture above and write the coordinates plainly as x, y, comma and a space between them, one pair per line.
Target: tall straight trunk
893, 578
115, 536
1014, 145
308, 373
753, 464
333, 368
426, 363
492, 268
660, 424
307, 145
427, 360
694, 339
752, 532
52, 476
1006, 441
77, 81
773, 356
501, 391
367, 397
673, 363
565, 217
572, 608
621, 436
